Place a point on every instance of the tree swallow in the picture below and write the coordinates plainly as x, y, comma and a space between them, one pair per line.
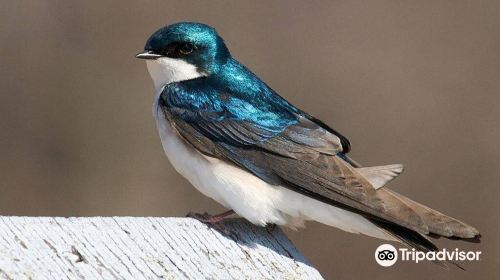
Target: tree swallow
243, 145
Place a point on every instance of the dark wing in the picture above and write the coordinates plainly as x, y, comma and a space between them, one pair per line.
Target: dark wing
282, 147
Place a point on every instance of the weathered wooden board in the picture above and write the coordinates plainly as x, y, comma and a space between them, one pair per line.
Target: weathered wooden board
144, 248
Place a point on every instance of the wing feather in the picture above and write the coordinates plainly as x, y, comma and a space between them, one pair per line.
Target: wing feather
293, 151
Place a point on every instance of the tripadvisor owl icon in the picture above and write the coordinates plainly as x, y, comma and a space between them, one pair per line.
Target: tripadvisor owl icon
386, 255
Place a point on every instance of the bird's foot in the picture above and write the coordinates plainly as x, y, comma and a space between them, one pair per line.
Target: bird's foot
214, 221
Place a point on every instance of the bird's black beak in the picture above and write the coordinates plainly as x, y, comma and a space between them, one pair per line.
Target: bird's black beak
148, 55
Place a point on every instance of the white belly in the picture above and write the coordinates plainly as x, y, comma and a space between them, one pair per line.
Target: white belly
248, 195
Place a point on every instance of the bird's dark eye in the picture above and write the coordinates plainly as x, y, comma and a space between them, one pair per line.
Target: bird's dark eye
186, 48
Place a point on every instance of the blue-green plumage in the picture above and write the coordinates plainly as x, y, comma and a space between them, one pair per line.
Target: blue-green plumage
232, 128
212, 52
230, 91
234, 94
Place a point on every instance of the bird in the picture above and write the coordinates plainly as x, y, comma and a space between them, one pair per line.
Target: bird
240, 143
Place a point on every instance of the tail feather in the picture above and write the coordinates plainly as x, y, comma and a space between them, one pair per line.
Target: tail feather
413, 214
438, 223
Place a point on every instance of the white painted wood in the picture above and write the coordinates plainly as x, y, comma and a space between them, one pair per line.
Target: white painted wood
144, 248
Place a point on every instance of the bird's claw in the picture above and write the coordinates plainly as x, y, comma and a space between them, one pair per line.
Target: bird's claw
214, 222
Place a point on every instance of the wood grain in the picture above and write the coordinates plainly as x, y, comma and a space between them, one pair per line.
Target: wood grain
144, 248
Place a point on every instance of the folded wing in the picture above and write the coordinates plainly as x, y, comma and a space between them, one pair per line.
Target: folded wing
284, 146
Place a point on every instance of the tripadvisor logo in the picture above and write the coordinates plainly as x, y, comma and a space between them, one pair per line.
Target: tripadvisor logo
387, 255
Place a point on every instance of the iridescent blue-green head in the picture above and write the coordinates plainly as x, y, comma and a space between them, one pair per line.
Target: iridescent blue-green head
185, 46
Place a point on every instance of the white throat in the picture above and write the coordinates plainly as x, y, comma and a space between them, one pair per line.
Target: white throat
166, 70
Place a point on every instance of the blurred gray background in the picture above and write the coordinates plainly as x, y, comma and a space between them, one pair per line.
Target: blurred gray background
413, 82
